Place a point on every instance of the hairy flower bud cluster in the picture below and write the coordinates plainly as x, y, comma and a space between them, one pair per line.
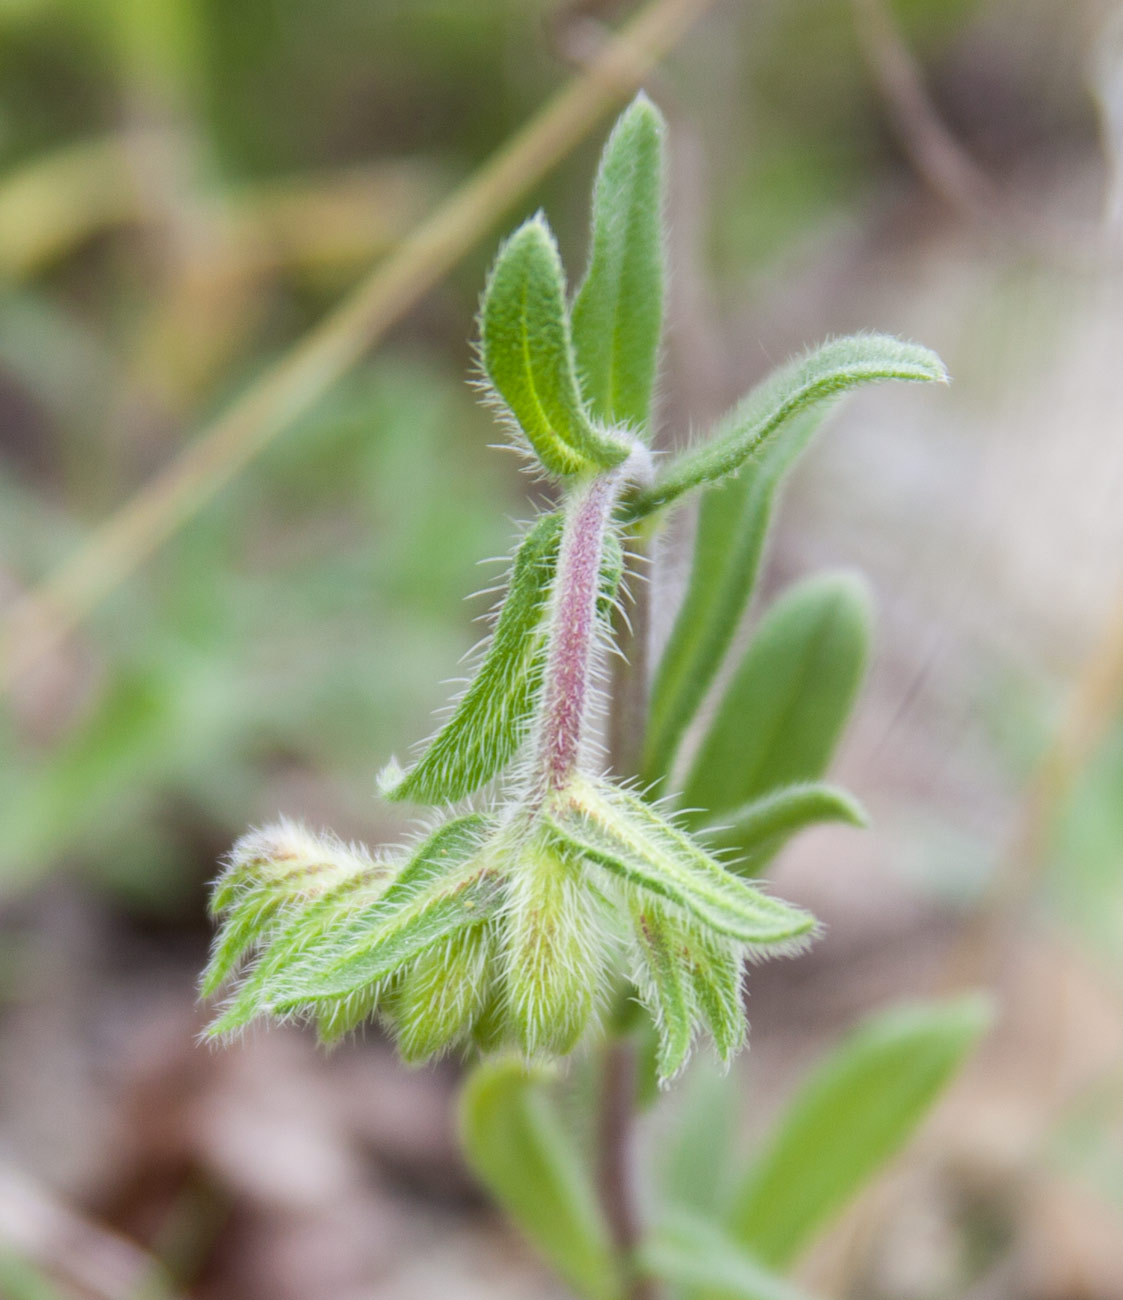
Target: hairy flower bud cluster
496, 933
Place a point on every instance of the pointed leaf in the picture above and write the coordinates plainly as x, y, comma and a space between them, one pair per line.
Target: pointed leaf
490, 719
664, 989
445, 888
759, 829
715, 967
618, 311
273, 874
627, 837
528, 356
517, 1146
855, 1112
346, 941
784, 710
831, 369
692, 1252
733, 522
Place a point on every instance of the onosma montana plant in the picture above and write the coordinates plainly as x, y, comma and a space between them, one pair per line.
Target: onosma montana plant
550, 888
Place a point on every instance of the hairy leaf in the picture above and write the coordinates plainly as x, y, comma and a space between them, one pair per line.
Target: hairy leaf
554, 950
518, 1147
784, 710
528, 355
664, 987
618, 310
831, 369
619, 832
490, 719
733, 522
855, 1111
441, 996
273, 875
760, 828
690, 1251
715, 966
346, 942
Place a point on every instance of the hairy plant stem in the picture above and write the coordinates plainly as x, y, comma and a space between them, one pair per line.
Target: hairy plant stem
573, 632
616, 1128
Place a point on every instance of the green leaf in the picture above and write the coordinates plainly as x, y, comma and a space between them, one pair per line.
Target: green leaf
445, 888
346, 942
273, 875
784, 710
519, 1149
664, 988
855, 1111
690, 1251
443, 994
527, 355
618, 310
554, 942
715, 973
490, 719
759, 829
733, 522
617, 831
831, 369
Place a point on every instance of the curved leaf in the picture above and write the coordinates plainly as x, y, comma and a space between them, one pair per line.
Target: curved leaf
855, 1111
692, 1252
758, 830
831, 369
527, 355
627, 837
347, 941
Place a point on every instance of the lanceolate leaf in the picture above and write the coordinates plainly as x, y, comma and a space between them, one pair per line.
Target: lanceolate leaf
346, 941
759, 829
445, 888
518, 1147
733, 522
618, 311
715, 971
785, 708
692, 1252
854, 1112
829, 370
664, 987
528, 356
490, 719
627, 837
276, 873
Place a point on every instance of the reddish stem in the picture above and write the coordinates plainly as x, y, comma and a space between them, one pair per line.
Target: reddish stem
573, 631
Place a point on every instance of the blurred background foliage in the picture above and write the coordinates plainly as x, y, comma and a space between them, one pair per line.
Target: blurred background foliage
186, 186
